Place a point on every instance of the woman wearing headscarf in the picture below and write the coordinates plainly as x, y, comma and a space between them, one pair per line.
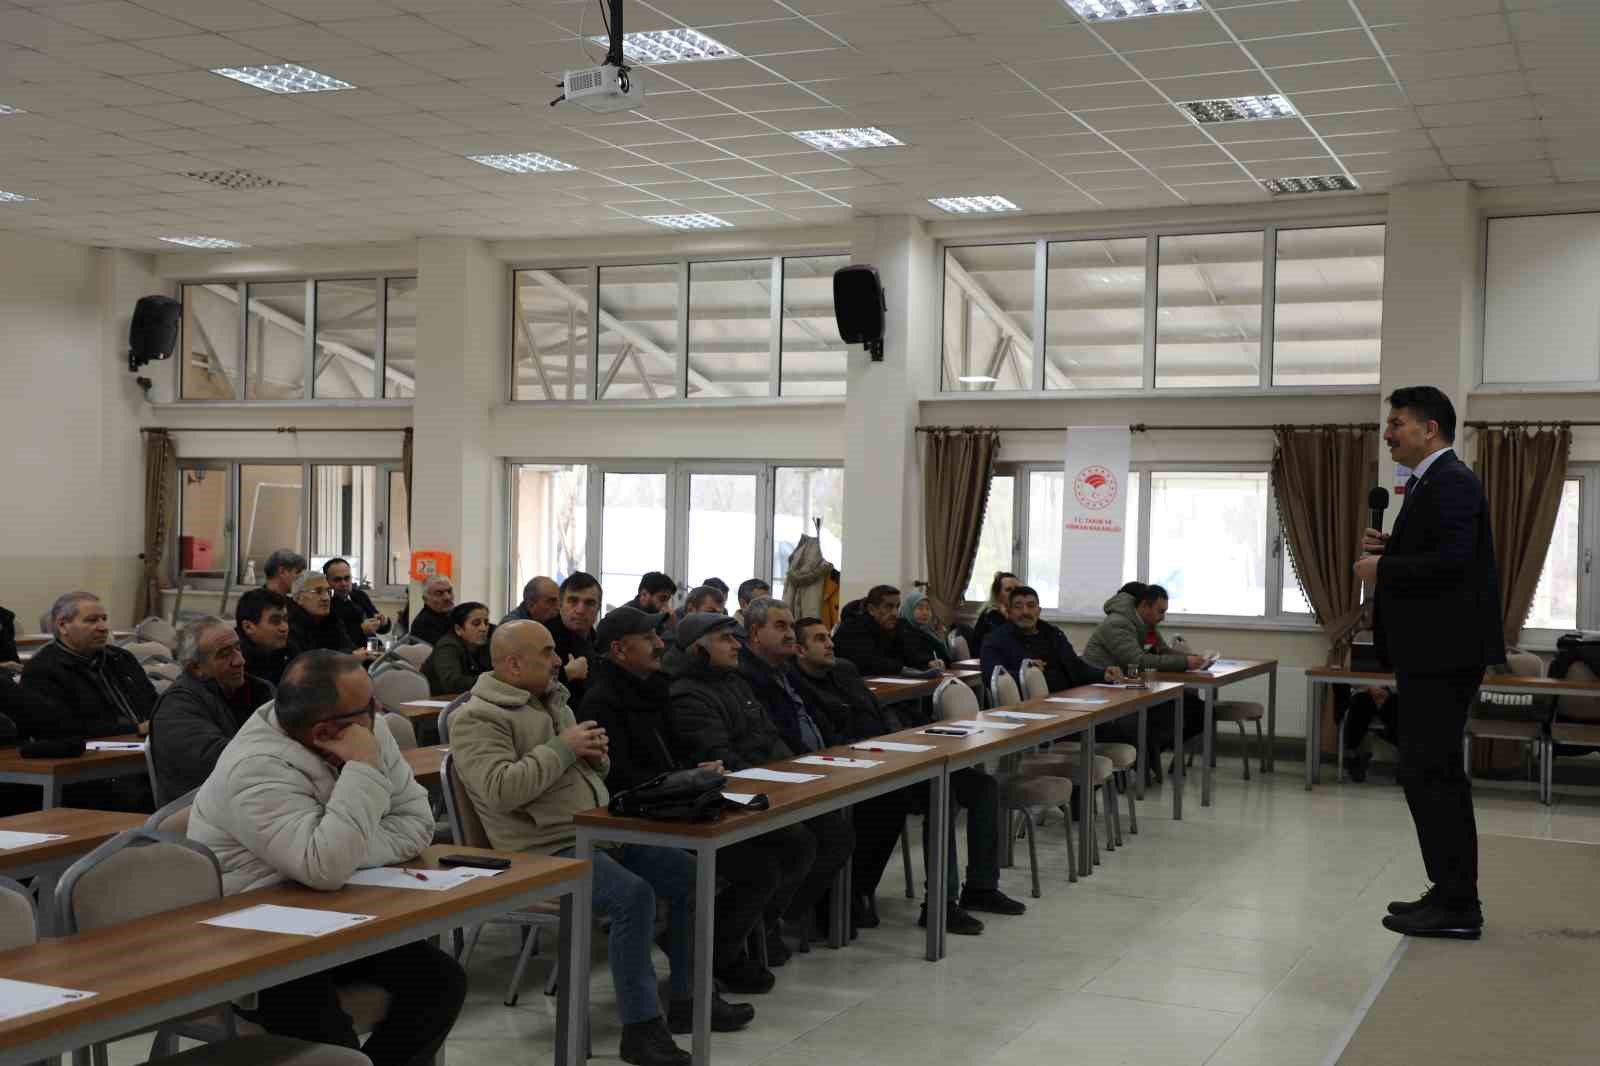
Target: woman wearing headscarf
922, 628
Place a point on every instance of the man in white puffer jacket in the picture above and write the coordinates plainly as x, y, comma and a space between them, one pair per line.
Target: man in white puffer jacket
311, 789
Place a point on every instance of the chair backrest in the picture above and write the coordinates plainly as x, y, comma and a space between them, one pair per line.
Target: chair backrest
415, 654
443, 724
163, 670
144, 650
158, 630
1579, 708
155, 779
19, 926
134, 874
1034, 686
400, 727
958, 647
160, 684
394, 687
953, 700
1003, 688
173, 816
466, 828
1518, 664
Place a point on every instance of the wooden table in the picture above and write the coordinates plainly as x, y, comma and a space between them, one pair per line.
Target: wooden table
1511, 684
424, 762
1207, 682
53, 775
423, 710
153, 969
82, 831
789, 803
903, 689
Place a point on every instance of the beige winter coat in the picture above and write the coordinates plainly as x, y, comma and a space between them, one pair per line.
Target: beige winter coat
524, 782
274, 810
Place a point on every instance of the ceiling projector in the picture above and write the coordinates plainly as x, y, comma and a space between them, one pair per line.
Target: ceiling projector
611, 86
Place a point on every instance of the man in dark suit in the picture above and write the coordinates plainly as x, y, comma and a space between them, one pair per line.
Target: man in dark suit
1437, 623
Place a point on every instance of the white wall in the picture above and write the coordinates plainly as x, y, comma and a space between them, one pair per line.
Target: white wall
71, 417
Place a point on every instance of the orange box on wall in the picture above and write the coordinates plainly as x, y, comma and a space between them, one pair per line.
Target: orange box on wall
430, 564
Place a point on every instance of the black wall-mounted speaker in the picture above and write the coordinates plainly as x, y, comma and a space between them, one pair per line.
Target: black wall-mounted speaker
153, 333
859, 307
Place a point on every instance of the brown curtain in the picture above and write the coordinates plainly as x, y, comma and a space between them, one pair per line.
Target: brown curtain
405, 472
1523, 473
956, 470
159, 455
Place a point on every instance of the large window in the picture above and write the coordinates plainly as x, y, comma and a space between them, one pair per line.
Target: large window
340, 339
1267, 307
1201, 533
718, 329
691, 520
232, 515
1568, 596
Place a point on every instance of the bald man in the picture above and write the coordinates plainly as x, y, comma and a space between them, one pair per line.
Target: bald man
528, 766
541, 600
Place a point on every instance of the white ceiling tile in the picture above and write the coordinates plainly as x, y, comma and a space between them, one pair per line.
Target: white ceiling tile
1557, 21
1168, 137
1127, 199
1289, 17
1268, 129
119, 20
774, 37
943, 53
1216, 86
113, 120
714, 74
197, 85
886, 24
1042, 47
208, 51
1320, 77
1425, 66
1179, 31
327, 10
1313, 48
114, 58
1492, 133
1510, 110
1366, 98
1495, 174
826, 63
1020, 16
1228, 192
1365, 122
1194, 155
1117, 94
1088, 70
1504, 152
1352, 144
1181, 62
766, 97
478, 63
1572, 53
398, 34
1466, 90
1297, 148
1397, 161
440, 96
1206, 174
380, 72
307, 45
29, 29
1585, 147
1309, 166
1441, 34
1380, 12
1132, 118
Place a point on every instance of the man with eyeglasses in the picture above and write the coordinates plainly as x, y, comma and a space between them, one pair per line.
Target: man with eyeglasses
311, 790
312, 623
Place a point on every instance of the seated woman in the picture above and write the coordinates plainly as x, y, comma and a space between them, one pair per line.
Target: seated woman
922, 628
461, 654
994, 614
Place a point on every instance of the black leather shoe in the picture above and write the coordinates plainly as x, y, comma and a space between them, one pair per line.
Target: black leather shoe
777, 951
745, 976
991, 901
1412, 906
725, 1017
1355, 764
864, 913
1464, 923
649, 1044
957, 921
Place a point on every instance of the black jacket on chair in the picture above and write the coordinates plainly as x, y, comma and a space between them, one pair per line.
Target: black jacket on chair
8, 637
876, 651
1437, 604
636, 714
716, 716
355, 609
308, 633
193, 722
64, 694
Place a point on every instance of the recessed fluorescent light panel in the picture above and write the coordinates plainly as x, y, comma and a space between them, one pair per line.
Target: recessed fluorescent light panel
13, 198
522, 163
846, 139
1291, 186
1111, 10
285, 78
973, 205
699, 221
237, 180
212, 243
7, 109
1237, 109
669, 46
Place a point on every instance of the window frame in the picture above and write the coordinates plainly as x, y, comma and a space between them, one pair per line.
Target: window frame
241, 286
1152, 235
1588, 614
1275, 550
232, 576
682, 263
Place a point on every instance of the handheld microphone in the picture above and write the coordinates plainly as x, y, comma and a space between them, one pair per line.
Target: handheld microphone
1377, 503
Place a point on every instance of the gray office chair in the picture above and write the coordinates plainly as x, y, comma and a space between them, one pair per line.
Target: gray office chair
19, 924
158, 630
1512, 716
173, 817
394, 687
443, 724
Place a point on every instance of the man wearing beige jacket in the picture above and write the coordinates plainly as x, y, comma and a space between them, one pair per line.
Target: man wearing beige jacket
528, 766
311, 789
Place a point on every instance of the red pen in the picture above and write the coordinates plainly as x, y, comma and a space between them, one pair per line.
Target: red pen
413, 873
830, 758
871, 749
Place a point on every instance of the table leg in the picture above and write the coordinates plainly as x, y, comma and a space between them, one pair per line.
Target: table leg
1311, 728
705, 901
839, 909
1269, 761
1209, 698
575, 981
1177, 757
934, 858
1139, 769
1086, 802
52, 793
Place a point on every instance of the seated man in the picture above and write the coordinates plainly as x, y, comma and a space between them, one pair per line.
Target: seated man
1027, 638
312, 623
877, 641
201, 712
541, 599
528, 767
351, 604
704, 599
9, 659
833, 689
717, 718
433, 619
750, 589
655, 593
629, 697
1129, 637
573, 631
79, 685
310, 790
281, 568
1366, 704
262, 619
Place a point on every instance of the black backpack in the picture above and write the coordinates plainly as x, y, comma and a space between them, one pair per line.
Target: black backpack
676, 796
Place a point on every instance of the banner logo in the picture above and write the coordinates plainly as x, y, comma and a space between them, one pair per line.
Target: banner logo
1095, 487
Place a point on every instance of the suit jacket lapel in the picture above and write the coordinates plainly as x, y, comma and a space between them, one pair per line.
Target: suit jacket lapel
1418, 489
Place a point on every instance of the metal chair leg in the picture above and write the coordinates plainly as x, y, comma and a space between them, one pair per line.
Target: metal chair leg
1033, 851
472, 943
528, 940
1261, 746
1116, 807
905, 856
1133, 808
1110, 797
1072, 858
1244, 746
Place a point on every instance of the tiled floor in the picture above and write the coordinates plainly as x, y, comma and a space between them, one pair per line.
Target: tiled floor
1247, 934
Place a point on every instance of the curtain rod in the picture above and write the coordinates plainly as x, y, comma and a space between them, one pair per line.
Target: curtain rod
273, 429
1141, 427
1554, 423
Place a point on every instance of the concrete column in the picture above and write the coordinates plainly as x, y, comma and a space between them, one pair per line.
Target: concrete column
462, 351
882, 491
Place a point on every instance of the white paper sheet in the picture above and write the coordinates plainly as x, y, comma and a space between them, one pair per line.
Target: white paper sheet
985, 724
744, 799
1222, 666
427, 703
430, 880
1078, 701
757, 773
900, 680
114, 745
835, 760
1022, 716
890, 745
24, 997
299, 921
1107, 684
10, 839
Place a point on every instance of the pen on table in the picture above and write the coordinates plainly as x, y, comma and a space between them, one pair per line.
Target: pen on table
871, 749
413, 873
